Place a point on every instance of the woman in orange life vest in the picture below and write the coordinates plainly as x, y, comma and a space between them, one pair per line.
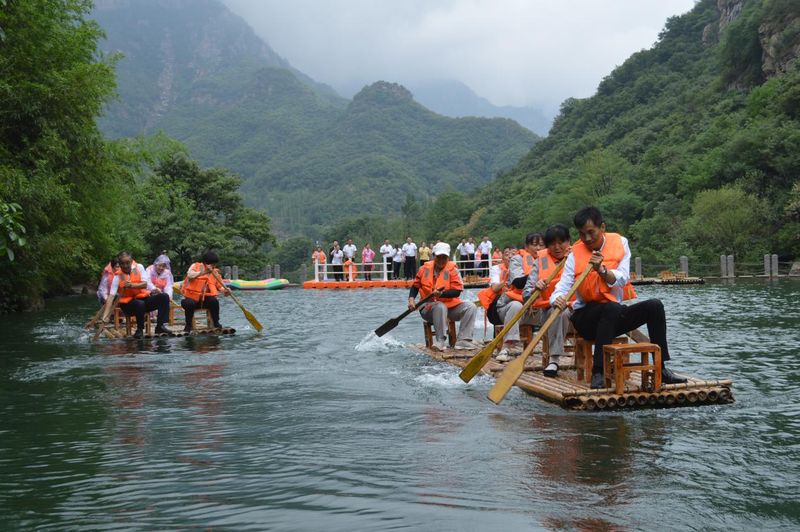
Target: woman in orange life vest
441, 278
138, 295
106, 278
556, 241
498, 286
200, 289
599, 314
349, 268
161, 275
519, 267
497, 257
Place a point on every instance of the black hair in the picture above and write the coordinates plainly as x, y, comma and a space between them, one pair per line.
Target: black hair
210, 257
533, 237
114, 262
123, 254
586, 214
556, 233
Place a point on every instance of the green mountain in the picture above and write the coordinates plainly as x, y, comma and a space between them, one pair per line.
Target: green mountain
196, 71
691, 147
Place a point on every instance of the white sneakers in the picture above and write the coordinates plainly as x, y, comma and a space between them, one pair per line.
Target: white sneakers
465, 345
439, 345
510, 350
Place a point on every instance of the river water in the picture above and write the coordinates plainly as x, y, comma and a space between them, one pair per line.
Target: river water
316, 425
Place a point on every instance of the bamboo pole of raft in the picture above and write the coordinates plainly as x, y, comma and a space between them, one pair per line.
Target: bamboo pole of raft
680, 397
664, 387
691, 397
641, 399
702, 395
724, 394
713, 395
661, 398
652, 399
669, 400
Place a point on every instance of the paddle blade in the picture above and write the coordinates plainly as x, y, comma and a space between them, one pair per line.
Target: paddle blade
252, 319
477, 362
507, 379
386, 327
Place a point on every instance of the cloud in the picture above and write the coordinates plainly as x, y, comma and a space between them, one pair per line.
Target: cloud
513, 52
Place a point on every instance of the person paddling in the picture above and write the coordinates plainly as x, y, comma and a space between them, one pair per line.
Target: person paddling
598, 312
200, 289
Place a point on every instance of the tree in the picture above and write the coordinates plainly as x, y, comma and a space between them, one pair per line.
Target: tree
185, 209
54, 163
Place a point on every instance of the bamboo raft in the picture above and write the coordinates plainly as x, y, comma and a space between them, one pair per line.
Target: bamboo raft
174, 331
122, 326
569, 392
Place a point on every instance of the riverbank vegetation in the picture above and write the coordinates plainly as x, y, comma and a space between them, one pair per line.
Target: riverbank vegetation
69, 198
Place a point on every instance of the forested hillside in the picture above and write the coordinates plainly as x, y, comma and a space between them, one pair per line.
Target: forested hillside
197, 72
691, 147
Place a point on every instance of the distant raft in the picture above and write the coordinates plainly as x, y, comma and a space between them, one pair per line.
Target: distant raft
241, 284
263, 284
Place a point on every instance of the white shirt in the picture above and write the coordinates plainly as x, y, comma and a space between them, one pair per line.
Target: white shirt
142, 274
336, 257
469, 247
349, 250
410, 250
622, 274
387, 251
398, 255
485, 247
461, 248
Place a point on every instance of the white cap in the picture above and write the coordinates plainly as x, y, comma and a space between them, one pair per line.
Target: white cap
442, 248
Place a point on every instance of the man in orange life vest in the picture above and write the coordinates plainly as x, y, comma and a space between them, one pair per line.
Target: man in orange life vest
598, 313
556, 242
440, 276
200, 289
138, 295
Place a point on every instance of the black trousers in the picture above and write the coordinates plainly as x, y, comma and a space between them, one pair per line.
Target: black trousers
471, 263
139, 307
209, 302
338, 272
485, 267
602, 322
410, 267
463, 261
397, 269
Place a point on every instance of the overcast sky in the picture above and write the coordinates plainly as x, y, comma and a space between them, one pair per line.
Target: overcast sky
513, 52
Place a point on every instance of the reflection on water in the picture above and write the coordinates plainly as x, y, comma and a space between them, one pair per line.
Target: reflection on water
318, 424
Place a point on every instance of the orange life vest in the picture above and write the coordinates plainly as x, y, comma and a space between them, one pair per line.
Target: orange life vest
448, 279
349, 270
201, 286
487, 295
547, 264
497, 257
595, 289
319, 256
109, 274
527, 267
129, 294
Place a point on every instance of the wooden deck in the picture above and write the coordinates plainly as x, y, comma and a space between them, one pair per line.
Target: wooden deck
568, 392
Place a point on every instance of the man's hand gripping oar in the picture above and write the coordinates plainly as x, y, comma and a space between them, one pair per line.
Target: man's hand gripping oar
477, 362
514, 369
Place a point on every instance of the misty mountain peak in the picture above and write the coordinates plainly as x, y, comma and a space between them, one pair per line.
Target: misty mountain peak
383, 93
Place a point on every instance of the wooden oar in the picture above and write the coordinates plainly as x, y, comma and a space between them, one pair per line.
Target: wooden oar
91, 322
247, 314
514, 369
477, 362
392, 323
102, 327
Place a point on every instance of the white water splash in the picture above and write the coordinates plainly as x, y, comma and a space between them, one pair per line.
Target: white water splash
440, 380
371, 343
